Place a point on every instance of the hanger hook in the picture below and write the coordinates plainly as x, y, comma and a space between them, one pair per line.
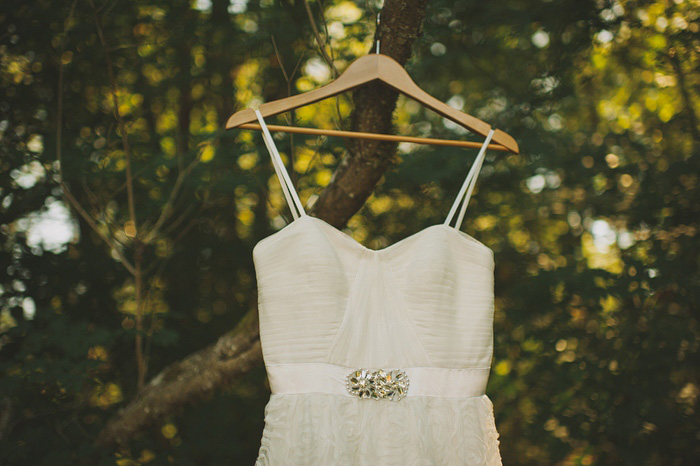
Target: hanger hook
378, 21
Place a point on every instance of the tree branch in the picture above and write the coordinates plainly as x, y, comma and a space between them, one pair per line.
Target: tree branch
321, 45
168, 209
214, 368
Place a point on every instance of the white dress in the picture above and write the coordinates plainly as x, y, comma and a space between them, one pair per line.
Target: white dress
329, 306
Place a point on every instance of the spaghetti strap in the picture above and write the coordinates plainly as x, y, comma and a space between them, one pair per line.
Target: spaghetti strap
287, 187
468, 185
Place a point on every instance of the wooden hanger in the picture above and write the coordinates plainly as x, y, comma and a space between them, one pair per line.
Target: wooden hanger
366, 69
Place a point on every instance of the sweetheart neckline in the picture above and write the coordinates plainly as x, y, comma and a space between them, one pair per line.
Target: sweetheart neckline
356, 243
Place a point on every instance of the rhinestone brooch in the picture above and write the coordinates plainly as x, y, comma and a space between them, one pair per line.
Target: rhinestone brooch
377, 384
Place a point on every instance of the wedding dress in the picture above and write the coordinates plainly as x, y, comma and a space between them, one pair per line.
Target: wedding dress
375, 357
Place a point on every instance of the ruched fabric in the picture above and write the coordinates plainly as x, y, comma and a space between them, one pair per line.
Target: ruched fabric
329, 305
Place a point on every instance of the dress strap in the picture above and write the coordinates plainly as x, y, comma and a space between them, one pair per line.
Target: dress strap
468, 185
289, 192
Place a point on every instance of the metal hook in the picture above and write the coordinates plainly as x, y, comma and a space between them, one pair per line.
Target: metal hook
378, 13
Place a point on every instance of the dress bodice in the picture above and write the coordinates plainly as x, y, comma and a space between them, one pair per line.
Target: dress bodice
426, 301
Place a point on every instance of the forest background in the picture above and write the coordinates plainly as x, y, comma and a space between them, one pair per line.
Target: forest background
128, 214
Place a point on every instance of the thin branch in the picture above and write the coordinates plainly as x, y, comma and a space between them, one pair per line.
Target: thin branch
117, 115
152, 313
279, 59
687, 100
290, 77
138, 245
65, 190
90, 221
292, 117
92, 198
321, 44
59, 104
168, 210
175, 223
7, 409
181, 234
320, 141
101, 215
296, 67
339, 121
153, 43
122, 186
107, 2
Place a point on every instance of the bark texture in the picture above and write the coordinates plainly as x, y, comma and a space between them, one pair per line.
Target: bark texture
194, 378
367, 160
215, 367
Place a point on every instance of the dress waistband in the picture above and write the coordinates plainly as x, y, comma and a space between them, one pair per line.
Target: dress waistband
327, 378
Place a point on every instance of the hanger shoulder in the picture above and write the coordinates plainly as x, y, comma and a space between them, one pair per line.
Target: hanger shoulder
361, 71
506, 140
393, 74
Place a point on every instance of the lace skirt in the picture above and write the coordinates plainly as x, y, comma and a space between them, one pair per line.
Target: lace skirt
325, 429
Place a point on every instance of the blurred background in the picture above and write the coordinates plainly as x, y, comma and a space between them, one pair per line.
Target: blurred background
594, 225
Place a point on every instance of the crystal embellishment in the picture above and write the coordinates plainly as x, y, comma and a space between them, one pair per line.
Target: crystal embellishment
377, 384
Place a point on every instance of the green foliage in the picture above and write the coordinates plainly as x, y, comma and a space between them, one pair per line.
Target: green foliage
594, 226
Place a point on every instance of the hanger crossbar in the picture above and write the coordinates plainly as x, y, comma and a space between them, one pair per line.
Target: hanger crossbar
373, 136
